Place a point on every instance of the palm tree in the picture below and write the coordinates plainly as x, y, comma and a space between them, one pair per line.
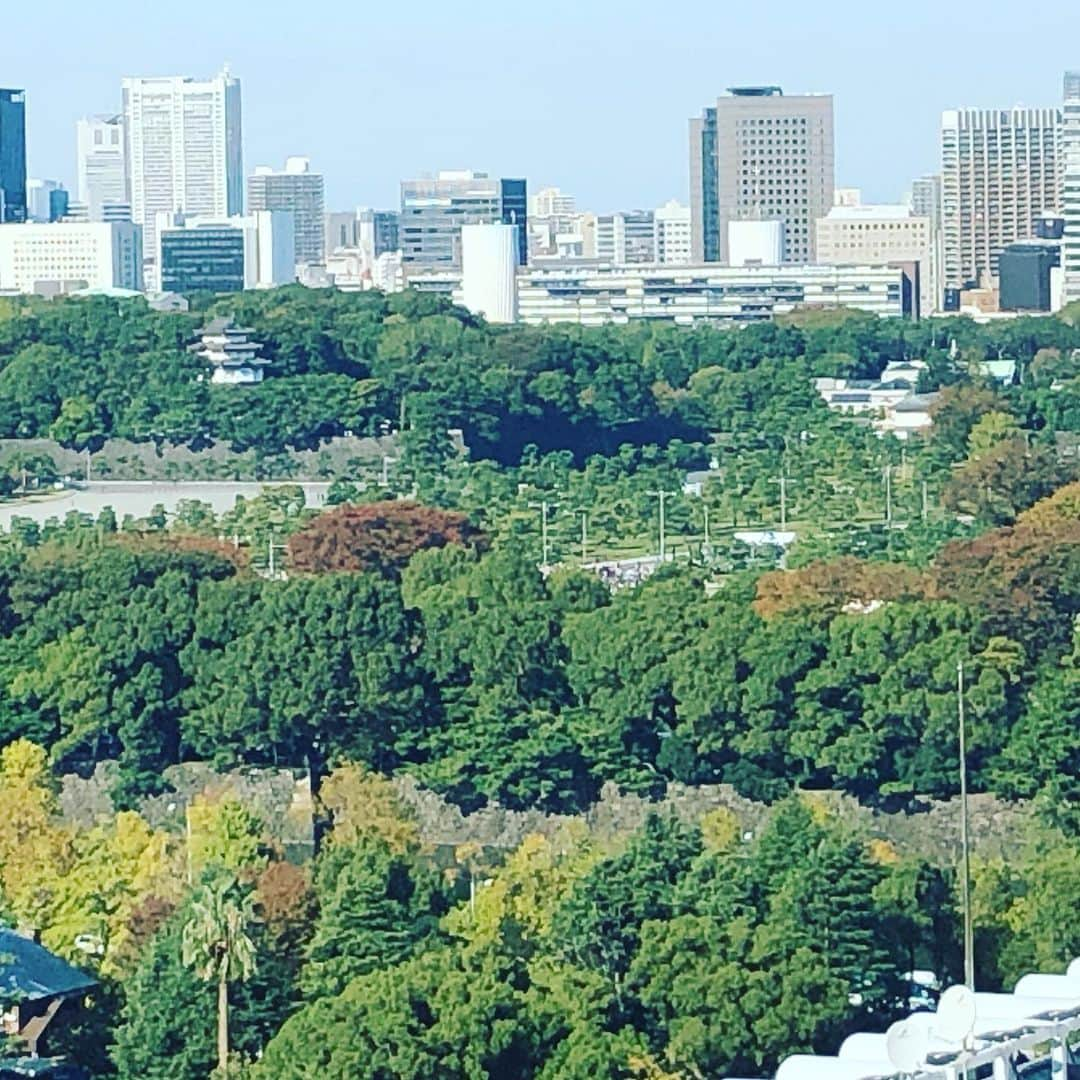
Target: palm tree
216, 944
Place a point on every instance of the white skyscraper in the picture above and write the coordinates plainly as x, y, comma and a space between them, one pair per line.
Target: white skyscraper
1070, 199
1000, 173
183, 148
101, 166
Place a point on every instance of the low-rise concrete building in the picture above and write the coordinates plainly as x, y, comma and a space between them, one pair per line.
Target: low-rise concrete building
52, 258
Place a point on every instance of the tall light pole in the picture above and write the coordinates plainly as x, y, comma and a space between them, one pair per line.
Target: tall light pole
662, 495
888, 494
584, 536
544, 507
965, 883
783, 480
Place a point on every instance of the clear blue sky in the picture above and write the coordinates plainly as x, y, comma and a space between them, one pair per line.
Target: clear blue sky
590, 95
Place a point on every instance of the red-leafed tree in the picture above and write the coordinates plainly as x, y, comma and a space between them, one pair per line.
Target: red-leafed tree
379, 536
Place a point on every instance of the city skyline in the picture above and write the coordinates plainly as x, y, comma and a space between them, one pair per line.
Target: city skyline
366, 123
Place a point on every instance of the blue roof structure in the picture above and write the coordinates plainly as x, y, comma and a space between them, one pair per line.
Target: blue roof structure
29, 972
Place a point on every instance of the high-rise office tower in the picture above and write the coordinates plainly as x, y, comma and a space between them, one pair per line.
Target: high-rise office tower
183, 148
1000, 170
1070, 186
761, 155
12, 155
102, 167
433, 211
297, 189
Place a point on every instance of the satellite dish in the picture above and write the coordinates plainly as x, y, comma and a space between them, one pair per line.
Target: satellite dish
907, 1042
955, 1016
1074, 969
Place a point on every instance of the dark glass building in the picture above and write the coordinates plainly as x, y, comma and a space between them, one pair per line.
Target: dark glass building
12, 156
205, 259
433, 211
1024, 272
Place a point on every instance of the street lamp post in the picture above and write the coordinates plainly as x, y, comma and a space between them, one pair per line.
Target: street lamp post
965, 883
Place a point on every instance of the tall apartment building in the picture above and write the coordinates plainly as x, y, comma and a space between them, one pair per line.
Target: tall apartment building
50, 259
183, 148
761, 155
298, 189
1000, 170
101, 165
672, 231
1070, 186
12, 156
433, 211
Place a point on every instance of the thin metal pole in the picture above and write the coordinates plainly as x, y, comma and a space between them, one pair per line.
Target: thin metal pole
888, 494
925, 503
544, 507
969, 933
708, 542
584, 536
662, 496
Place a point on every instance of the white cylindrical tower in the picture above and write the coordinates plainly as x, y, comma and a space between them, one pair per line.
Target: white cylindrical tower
756, 243
489, 271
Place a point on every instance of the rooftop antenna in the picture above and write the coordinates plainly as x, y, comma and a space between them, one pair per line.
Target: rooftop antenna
955, 1016
907, 1042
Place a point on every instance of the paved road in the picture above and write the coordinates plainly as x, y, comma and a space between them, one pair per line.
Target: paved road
138, 498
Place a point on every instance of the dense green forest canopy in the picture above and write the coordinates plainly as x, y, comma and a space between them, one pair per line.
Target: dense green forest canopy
413, 634
82, 370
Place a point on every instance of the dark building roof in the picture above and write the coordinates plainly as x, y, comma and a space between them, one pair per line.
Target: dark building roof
29, 972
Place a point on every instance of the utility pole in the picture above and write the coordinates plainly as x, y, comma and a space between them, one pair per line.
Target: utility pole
708, 542
888, 494
969, 933
584, 536
925, 504
662, 496
544, 507
783, 480
386, 462
271, 564
88, 464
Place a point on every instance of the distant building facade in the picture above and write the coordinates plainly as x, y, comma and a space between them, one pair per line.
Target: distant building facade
593, 296
672, 244
183, 148
1000, 172
926, 202
46, 200
433, 211
759, 154
221, 255
877, 234
1026, 276
378, 231
298, 190
1070, 186
101, 163
54, 258
12, 156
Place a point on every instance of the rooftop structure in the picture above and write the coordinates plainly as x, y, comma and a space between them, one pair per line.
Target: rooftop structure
39, 982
